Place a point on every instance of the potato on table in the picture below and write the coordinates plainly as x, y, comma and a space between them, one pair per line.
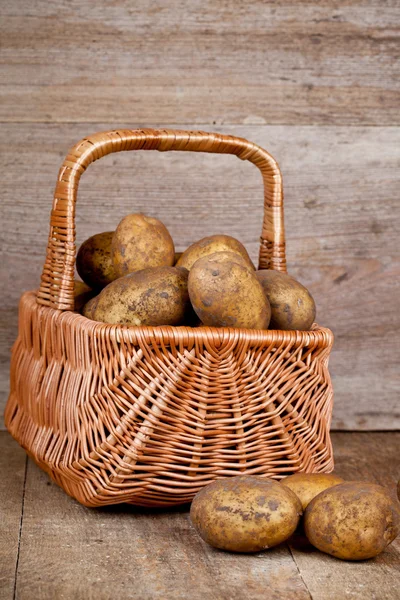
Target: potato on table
353, 521
245, 514
308, 485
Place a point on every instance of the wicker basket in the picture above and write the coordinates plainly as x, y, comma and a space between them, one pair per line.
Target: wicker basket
149, 415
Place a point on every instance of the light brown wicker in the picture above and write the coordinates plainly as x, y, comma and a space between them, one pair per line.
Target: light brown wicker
149, 415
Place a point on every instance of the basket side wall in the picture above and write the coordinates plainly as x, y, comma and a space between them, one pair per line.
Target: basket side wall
150, 418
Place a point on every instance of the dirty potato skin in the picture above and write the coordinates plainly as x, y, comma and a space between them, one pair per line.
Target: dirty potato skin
227, 294
292, 306
209, 245
154, 296
140, 242
94, 262
89, 307
82, 294
177, 256
308, 485
353, 520
245, 514
230, 257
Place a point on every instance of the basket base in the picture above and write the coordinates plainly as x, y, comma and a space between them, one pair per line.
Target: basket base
119, 415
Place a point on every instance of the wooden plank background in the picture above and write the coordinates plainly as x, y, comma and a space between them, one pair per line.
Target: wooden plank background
317, 85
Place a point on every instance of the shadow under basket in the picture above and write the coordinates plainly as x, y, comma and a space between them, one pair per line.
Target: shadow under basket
150, 415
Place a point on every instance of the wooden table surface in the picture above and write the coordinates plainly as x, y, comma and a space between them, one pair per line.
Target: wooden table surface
51, 547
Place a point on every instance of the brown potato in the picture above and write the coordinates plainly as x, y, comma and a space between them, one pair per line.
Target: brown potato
155, 296
140, 242
93, 261
177, 256
82, 293
88, 309
308, 485
245, 514
292, 306
225, 293
230, 257
353, 520
209, 245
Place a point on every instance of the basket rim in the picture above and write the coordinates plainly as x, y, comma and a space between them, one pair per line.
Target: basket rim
186, 335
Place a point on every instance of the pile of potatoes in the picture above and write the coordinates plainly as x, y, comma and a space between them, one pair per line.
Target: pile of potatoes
349, 520
135, 277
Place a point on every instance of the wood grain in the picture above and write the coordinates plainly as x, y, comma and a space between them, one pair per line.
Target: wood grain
342, 225
12, 467
68, 551
276, 62
367, 457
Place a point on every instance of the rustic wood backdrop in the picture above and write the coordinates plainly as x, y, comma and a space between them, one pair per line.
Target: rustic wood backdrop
317, 84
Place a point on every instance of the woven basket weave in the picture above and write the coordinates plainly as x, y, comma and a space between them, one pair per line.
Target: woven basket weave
149, 415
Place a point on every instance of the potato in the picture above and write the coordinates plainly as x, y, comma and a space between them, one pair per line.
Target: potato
353, 520
225, 293
177, 256
88, 309
308, 485
154, 296
245, 514
93, 261
230, 257
140, 242
292, 306
82, 293
209, 245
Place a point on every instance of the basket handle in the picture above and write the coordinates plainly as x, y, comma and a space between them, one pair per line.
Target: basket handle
57, 282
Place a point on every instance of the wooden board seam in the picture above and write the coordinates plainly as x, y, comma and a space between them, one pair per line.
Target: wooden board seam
298, 569
20, 528
186, 125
